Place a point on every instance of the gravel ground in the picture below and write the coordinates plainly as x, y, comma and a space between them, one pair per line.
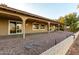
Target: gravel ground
74, 49
34, 44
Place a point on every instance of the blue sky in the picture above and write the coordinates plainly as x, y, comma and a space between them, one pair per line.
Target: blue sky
53, 10
49, 10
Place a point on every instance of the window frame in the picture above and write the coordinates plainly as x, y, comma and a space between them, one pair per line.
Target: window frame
35, 23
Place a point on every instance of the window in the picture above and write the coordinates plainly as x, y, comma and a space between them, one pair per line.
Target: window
15, 27
35, 26
52, 28
42, 26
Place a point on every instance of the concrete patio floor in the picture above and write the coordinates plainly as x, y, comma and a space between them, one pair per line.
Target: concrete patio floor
34, 44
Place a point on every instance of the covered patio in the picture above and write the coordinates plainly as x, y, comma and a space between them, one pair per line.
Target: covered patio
15, 22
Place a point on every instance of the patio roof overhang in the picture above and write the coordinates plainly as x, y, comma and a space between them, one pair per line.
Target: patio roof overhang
30, 14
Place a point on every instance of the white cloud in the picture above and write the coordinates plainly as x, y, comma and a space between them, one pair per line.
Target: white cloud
12, 1
40, 1
22, 4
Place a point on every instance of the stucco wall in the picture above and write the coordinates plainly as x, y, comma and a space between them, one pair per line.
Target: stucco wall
3, 27
62, 47
29, 28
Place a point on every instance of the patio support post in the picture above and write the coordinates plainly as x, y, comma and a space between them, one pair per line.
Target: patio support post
23, 29
59, 26
49, 26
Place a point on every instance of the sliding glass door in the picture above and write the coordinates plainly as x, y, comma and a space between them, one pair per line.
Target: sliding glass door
12, 27
15, 27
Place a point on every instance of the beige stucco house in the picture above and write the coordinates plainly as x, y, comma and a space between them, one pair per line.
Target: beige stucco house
13, 21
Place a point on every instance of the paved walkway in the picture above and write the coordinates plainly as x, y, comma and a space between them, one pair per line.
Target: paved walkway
74, 49
33, 44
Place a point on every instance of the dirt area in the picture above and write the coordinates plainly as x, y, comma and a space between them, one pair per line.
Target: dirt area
34, 44
74, 49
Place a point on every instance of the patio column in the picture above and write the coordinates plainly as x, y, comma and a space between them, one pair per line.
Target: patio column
58, 26
49, 26
23, 27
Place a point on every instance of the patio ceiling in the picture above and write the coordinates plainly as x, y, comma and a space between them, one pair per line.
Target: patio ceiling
40, 21
8, 16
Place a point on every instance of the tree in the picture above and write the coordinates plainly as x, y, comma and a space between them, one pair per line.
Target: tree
61, 20
71, 21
